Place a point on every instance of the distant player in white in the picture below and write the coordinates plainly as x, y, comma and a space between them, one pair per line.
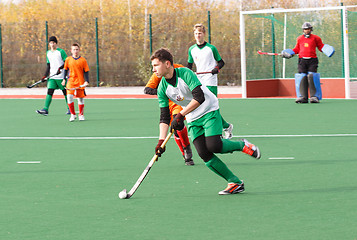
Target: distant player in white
208, 63
55, 61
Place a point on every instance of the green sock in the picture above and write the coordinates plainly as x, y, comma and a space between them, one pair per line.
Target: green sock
48, 102
221, 169
229, 146
224, 123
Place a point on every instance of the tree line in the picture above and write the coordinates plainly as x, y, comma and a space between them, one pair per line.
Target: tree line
123, 35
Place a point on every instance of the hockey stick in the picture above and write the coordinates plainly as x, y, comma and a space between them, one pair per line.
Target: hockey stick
202, 73
40, 81
267, 53
80, 86
145, 172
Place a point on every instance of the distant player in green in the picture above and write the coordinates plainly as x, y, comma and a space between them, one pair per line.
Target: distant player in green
208, 63
55, 62
201, 109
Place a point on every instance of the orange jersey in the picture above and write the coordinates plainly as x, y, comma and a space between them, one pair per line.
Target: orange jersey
154, 83
76, 68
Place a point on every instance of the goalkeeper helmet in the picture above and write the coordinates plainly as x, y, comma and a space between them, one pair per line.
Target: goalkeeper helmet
307, 25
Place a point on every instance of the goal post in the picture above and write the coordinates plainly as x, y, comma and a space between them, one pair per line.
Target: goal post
272, 30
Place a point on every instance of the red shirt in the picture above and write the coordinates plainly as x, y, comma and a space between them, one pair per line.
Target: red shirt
306, 47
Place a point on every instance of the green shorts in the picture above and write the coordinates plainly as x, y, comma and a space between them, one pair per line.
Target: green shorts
55, 84
209, 125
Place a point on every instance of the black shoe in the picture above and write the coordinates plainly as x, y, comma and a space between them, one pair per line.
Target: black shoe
43, 112
314, 100
189, 162
301, 100
232, 188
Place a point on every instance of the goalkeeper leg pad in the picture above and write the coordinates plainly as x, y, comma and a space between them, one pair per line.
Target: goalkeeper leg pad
301, 85
314, 85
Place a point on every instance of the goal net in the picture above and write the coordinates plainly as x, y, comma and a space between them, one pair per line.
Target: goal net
274, 30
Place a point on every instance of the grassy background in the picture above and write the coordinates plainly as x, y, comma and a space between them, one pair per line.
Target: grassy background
73, 192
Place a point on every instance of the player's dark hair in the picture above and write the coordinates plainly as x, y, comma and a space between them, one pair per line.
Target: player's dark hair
163, 54
76, 45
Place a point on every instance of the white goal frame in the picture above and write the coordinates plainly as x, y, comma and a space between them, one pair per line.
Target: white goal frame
271, 11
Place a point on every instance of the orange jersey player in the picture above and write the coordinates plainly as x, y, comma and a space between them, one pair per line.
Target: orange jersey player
77, 81
181, 137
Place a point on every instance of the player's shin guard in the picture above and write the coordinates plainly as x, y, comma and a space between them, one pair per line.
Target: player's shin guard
229, 146
301, 85
71, 108
314, 85
80, 108
221, 169
179, 144
183, 134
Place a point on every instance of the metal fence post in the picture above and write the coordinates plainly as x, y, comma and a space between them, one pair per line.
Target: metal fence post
150, 33
46, 33
209, 26
1, 66
97, 49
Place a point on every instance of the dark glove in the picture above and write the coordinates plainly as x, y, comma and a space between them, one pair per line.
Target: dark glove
215, 70
158, 149
43, 78
177, 123
58, 71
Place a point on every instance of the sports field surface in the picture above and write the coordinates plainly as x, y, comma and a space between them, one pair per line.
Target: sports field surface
60, 180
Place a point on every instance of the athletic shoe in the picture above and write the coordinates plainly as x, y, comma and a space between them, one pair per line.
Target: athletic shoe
68, 112
251, 149
43, 112
188, 156
72, 118
189, 162
81, 118
232, 188
228, 132
314, 100
301, 100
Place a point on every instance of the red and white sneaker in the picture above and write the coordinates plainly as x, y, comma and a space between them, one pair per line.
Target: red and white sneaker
251, 149
232, 188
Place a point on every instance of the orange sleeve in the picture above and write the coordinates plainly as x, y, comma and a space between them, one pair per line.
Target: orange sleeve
85, 67
153, 82
66, 64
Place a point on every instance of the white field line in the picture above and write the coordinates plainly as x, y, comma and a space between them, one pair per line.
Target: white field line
282, 158
28, 162
141, 137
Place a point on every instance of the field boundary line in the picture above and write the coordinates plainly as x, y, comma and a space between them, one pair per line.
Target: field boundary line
150, 137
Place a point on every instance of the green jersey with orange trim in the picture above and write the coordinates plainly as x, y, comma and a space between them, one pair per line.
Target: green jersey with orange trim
181, 94
205, 59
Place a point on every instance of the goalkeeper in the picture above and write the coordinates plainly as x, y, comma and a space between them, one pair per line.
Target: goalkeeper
308, 78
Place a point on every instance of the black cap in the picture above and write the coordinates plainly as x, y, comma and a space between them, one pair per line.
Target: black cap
52, 39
